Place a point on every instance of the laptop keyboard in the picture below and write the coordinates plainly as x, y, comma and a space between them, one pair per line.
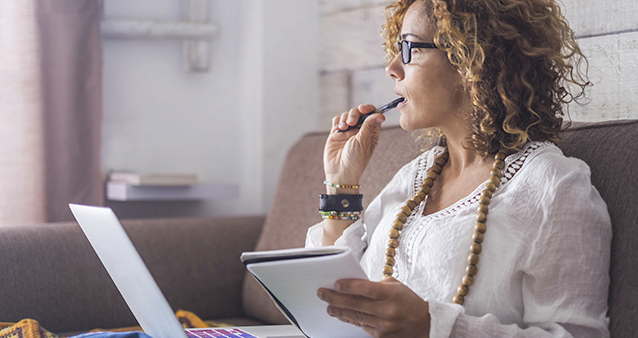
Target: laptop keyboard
218, 333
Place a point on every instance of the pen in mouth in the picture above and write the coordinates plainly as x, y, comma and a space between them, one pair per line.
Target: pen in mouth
380, 110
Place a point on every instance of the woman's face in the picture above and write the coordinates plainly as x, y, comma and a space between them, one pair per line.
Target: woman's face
429, 83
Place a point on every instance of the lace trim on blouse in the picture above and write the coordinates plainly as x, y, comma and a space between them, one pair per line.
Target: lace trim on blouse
417, 226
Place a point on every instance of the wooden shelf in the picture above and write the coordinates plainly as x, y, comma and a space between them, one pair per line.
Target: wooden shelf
119, 191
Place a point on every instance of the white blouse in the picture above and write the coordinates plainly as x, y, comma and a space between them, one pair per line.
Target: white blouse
544, 269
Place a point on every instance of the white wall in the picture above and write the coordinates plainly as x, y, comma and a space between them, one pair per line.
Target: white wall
231, 125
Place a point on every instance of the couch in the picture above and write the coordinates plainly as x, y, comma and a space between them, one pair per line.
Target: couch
49, 272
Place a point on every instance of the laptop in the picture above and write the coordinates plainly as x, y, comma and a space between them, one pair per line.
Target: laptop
140, 291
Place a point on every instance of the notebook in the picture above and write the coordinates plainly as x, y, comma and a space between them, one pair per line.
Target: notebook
138, 288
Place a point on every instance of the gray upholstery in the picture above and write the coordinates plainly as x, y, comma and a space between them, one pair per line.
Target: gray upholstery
49, 272
610, 149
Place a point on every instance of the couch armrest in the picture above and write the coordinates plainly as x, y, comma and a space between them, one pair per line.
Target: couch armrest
50, 273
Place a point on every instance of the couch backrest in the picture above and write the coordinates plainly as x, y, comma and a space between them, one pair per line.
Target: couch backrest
608, 148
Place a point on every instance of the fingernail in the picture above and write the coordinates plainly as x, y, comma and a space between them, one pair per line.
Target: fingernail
330, 311
320, 294
379, 120
337, 287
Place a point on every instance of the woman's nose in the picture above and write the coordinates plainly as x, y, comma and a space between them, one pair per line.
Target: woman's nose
395, 68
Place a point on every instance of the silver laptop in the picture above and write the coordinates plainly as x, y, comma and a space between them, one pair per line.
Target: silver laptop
139, 289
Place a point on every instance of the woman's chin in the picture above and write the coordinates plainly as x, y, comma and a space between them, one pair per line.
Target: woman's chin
406, 125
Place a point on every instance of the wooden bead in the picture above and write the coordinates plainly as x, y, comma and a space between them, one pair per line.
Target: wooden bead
478, 237
445, 155
389, 261
458, 299
440, 161
393, 243
471, 270
416, 199
484, 208
473, 259
480, 227
421, 194
432, 175
487, 193
390, 252
436, 168
428, 182
410, 204
499, 164
500, 156
463, 290
468, 280
394, 233
406, 210
476, 248
387, 270
495, 180
484, 200
496, 172
402, 217
425, 188
481, 217
397, 224
490, 186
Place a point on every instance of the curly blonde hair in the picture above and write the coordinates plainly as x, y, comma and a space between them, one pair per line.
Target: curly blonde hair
517, 59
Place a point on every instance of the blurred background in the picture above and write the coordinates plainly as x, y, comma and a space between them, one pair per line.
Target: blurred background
214, 88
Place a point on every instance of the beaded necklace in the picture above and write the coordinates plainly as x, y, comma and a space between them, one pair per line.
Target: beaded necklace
479, 229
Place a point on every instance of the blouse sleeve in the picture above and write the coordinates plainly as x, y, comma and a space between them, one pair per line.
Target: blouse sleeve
352, 237
565, 275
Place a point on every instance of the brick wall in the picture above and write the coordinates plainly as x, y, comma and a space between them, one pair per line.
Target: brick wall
352, 59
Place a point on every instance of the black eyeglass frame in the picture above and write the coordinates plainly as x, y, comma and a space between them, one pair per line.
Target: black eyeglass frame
408, 45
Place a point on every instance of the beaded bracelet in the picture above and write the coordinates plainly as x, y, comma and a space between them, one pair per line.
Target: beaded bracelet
344, 215
342, 186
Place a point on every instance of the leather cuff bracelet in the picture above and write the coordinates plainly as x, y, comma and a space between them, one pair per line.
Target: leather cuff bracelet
341, 202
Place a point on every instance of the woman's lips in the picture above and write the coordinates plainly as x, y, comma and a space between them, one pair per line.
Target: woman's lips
405, 101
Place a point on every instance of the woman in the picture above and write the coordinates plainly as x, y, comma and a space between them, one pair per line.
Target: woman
490, 76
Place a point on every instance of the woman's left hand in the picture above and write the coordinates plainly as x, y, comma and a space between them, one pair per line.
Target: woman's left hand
383, 309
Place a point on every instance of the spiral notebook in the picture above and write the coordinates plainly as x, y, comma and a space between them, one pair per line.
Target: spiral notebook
292, 277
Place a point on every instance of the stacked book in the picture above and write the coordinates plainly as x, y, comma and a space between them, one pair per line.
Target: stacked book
153, 179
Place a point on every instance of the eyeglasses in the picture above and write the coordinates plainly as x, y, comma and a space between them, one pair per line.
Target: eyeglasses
405, 47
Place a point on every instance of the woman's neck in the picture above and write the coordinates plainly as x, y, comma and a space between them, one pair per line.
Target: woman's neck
463, 156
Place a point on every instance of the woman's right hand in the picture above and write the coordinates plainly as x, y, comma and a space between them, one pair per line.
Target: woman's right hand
347, 154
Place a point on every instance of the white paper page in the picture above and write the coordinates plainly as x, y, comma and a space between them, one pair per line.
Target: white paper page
295, 283
128, 271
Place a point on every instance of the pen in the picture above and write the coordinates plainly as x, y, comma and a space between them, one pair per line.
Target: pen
381, 110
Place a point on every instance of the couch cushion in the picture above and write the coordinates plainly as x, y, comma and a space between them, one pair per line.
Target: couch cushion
295, 206
610, 150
